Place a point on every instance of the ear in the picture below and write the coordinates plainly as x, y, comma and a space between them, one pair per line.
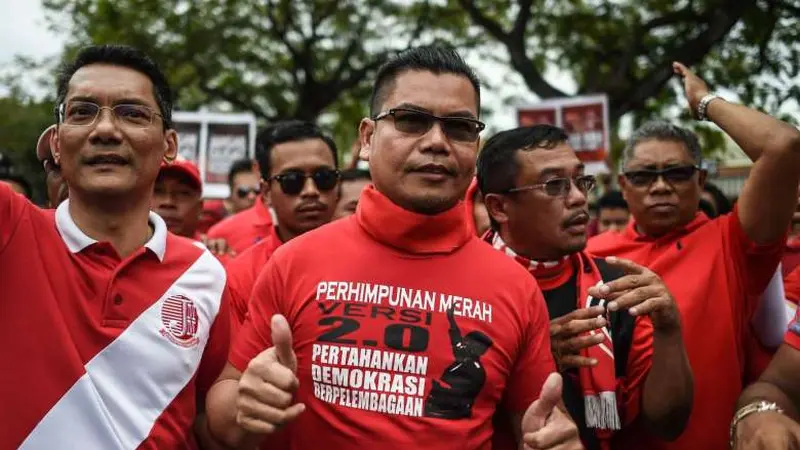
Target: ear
55, 147
265, 192
623, 184
365, 131
170, 145
701, 177
497, 207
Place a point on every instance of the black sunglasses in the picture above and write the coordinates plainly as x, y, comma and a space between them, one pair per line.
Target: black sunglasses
244, 191
646, 177
292, 182
559, 187
462, 129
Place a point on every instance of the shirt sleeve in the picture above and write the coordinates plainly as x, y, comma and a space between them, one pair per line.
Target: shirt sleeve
754, 263
240, 295
254, 334
534, 361
640, 360
12, 207
215, 354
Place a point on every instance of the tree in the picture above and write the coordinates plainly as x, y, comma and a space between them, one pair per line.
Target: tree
278, 59
625, 48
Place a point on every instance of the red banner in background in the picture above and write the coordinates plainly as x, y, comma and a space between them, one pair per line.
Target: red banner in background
585, 120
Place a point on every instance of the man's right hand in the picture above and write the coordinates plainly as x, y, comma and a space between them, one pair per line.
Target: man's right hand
568, 336
767, 431
267, 386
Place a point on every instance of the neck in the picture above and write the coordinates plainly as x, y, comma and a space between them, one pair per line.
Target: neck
123, 224
285, 235
537, 255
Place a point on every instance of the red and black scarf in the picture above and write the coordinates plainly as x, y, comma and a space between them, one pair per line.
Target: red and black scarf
598, 383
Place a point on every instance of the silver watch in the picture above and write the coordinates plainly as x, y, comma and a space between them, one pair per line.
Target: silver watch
703, 105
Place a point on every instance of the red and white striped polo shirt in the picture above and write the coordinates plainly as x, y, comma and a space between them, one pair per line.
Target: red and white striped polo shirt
101, 352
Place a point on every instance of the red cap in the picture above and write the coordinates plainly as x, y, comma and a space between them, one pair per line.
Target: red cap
43, 145
186, 167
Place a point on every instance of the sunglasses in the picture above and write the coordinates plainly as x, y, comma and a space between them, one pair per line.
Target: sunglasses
559, 187
244, 191
647, 177
461, 129
292, 182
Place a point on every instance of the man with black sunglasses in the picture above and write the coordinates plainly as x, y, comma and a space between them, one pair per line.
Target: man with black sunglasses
603, 312
716, 269
397, 327
298, 165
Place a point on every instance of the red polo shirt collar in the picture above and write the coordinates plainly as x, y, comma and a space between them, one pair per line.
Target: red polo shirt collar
76, 240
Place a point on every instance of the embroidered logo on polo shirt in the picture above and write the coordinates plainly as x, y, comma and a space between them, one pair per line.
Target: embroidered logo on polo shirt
180, 319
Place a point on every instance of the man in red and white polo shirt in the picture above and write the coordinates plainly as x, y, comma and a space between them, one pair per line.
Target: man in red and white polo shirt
112, 328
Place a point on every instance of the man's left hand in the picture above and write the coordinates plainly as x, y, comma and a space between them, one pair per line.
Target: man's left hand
218, 246
545, 425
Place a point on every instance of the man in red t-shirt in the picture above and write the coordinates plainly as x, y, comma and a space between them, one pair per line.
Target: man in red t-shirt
616, 338
113, 329
716, 269
769, 410
397, 327
299, 163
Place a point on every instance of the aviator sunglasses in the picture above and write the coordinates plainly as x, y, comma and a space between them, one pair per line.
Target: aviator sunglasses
646, 177
462, 129
292, 182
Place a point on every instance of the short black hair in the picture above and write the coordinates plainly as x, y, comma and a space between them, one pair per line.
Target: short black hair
355, 174
244, 165
436, 59
497, 161
125, 56
611, 199
288, 131
724, 204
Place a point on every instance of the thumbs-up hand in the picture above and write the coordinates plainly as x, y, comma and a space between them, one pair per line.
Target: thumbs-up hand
267, 386
545, 425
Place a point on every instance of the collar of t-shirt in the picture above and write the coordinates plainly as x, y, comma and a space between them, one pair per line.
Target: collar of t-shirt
632, 233
408, 231
76, 240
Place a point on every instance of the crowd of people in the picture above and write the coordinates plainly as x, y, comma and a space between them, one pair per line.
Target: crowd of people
459, 293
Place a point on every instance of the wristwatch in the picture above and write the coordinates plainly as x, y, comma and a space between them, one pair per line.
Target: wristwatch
703, 105
751, 408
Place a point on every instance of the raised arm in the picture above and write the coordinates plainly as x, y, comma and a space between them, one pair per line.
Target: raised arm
769, 195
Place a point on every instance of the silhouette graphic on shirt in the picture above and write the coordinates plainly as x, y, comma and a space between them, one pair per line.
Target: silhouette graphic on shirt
453, 395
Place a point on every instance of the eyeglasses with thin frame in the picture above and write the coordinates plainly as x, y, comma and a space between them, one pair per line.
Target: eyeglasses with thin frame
292, 182
646, 177
410, 121
85, 114
560, 187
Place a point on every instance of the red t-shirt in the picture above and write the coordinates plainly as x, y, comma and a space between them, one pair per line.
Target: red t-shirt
100, 351
243, 272
791, 286
381, 363
243, 230
716, 275
793, 334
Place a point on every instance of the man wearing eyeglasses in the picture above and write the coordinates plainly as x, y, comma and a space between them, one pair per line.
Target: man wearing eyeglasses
396, 327
111, 326
603, 313
716, 269
298, 163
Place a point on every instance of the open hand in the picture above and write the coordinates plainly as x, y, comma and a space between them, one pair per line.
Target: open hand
568, 336
641, 292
